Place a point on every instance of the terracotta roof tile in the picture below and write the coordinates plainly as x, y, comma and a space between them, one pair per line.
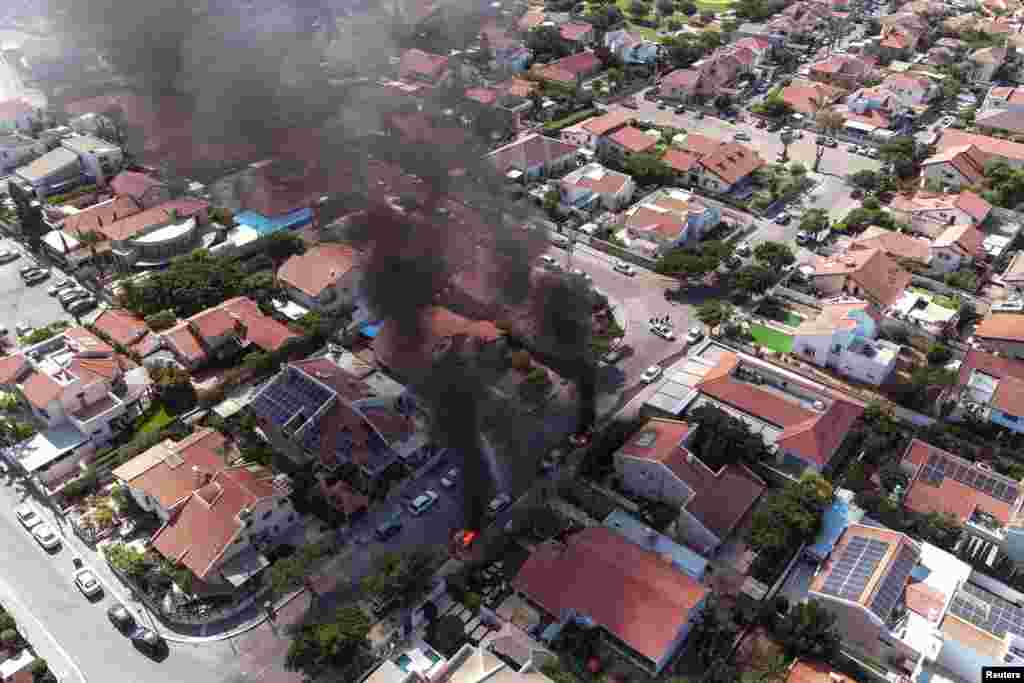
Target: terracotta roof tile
181, 339
132, 184
680, 161
530, 151
925, 600
213, 323
1001, 326
876, 275
808, 671
439, 326
11, 367
989, 145
165, 471
632, 593
967, 238
573, 32
568, 69
40, 389
346, 385
94, 218
601, 125
121, 325
732, 162
261, 330
895, 244
318, 268
132, 225
949, 495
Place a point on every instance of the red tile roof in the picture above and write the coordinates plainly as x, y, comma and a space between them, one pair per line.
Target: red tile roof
261, 330
530, 151
207, 522
1009, 394
84, 341
149, 344
681, 78
424, 65
601, 125
632, 593
40, 389
573, 32
644, 219
11, 367
732, 162
814, 436
680, 161
165, 471
213, 323
877, 275
720, 499
989, 145
568, 69
132, 184
967, 238
808, 98
126, 228
439, 325
949, 495
122, 326
346, 385
633, 139
318, 268
1002, 326
183, 341
482, 95
925, 600
94, 218
895, 244
809, 671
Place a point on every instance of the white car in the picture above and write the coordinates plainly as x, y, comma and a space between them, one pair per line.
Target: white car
549, 262
872, 153
27, 516
650, 374
581, 273
743, 248
36, 276
855, 149
624, 268
450, 477
87, 583
46, 536
499, 503
423, 502
663, 331
59, 286
694, 335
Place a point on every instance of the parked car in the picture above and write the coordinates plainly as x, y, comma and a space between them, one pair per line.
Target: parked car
149, 642
829, 142
121, 618
21, 329
423, 502
624, 268
7, 255
82, 305
803, 237
651, 374
60, 286
25, 269
872, 153
36, 276
46, 536
700, 114
679, 109
388, 529
87, 583
613, 356
661, 330
694, 335
783, 218
500, 502
741, 135
853, 149
743, 248
578, 272
27, 516
732, 262
75, 294
662, 105
450, 477
31, 272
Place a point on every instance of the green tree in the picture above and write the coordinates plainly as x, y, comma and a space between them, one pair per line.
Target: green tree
814, 221
775, 255
688, 8
546, 43
903, 154
774, 106
125, 559
407, 577
648, 169
319, 648
665, 7
754, 279
809, 630
711, 635
290, 573
941, 529
790, 517
694, 261
174, 387
722, 439
552, 198
714, 312
192, 283
866, 180
797, 170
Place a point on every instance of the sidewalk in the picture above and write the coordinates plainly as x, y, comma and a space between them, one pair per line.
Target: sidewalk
43, 644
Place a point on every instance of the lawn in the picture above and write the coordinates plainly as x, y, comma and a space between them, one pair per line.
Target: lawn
156, 419
772, 339
714, 5
781, 315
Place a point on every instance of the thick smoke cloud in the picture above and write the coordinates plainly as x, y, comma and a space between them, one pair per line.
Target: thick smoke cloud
239, 79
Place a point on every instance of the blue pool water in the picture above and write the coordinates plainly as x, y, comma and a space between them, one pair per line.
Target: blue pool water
266, 226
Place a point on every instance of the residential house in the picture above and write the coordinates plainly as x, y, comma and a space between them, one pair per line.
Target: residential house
907, 250
859, 272
682, 557
18, 669
146, 190
931, 214
956, 247
325, 278
152, 238
18, 115
901, 33
631, 140
316, 411
55, 171
918, 311
1002, 333
1002, 109
997, 149
941, 56
419, 66
644, 605
577, 35
808, 98
594, 188
955, 167
706, 78
507, 53
534, 156
982, 501
631, 47
79, 391
668, 218
593, 133
995, 387
441, 329
803, 422
18, 150
657, 463
844, 337
122, 327
845, 71
871, 109
571, 70
223, 331
511, 656
219, 532
984, 63
914, 90
802, 18
720, 167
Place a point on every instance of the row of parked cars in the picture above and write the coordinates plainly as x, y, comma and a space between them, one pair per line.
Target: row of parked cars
145, 639
75, 298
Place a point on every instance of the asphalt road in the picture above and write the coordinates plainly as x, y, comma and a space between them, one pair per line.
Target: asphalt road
26, 303
41, 583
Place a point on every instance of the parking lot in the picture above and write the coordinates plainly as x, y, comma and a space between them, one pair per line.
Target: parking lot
21, 303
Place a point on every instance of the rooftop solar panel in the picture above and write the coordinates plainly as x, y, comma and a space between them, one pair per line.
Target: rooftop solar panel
850, 574
987, 611
938, 467
891, 588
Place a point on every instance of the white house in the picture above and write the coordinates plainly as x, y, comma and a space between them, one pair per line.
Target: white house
913, 89
593, 188
845, 338
668, 218
931, 214
955, 167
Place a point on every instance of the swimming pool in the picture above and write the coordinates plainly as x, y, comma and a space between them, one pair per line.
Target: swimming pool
266, 226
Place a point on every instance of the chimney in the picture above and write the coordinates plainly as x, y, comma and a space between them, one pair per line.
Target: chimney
201, 478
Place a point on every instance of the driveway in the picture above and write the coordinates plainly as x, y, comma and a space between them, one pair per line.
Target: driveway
24, 303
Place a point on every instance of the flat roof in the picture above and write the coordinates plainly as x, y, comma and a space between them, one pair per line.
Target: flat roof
45, 447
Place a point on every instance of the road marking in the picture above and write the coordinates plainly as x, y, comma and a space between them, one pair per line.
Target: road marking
12, 597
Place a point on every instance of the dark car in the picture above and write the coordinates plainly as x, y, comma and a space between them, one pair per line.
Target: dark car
148, 641
388, 529
121, 618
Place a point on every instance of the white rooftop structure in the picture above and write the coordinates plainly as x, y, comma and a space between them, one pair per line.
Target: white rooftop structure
45, 447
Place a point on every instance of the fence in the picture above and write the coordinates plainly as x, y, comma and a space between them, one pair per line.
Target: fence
798, 297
